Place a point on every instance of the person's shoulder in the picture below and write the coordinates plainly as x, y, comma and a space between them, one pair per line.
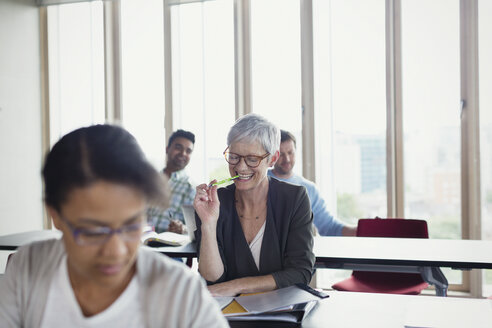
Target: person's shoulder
42, 247
299, 179
38, 257
166, 281
180, 175
183, 179
272, 175
310, 186
284, 187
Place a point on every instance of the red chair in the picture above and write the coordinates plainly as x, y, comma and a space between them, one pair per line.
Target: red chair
387, 282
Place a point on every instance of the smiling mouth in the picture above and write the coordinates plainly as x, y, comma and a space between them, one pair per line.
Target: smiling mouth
244, 177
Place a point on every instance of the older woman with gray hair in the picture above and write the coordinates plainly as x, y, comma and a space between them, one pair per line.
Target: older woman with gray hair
256, 234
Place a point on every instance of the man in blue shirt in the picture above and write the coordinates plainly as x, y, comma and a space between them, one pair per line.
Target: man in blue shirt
326, 224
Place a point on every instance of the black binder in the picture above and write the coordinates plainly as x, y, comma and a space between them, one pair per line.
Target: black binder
288, 317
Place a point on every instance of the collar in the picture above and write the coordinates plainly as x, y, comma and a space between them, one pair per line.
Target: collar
181, 174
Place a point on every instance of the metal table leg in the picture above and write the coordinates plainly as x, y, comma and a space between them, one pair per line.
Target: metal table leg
434, 276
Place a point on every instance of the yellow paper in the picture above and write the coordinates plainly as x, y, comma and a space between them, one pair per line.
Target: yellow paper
234, 307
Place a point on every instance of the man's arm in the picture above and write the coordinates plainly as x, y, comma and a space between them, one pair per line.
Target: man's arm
158, 218
326, 224
349, 231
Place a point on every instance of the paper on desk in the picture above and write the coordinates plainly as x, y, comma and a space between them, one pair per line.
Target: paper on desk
275, 300
448, 312
276, 316
223, 300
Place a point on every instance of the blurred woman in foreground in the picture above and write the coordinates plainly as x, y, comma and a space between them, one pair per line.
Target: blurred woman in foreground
97, 187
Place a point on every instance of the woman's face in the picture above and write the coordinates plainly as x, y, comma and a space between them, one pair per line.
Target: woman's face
249, 177
90, 211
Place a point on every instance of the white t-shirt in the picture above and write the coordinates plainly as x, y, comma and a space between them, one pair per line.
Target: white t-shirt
63, 310
255, 245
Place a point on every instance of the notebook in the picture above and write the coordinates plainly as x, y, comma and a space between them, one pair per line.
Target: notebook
166, 238
289, 304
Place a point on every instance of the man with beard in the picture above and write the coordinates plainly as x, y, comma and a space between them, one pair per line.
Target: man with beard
178, 151
326, 224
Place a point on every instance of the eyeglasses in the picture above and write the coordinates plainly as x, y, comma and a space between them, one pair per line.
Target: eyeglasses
250, 160
100, 235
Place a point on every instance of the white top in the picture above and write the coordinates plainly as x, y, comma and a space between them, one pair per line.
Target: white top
255, 245
171, 294
63, 310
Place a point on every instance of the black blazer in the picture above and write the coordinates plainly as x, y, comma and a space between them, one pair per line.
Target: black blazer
287, 247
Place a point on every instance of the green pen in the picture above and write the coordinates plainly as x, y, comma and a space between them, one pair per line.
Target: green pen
223, 181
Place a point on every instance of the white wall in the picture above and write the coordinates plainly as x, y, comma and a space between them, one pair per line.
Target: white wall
20, 118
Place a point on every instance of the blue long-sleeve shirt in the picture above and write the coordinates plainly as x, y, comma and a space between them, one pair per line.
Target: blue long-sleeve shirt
326, 224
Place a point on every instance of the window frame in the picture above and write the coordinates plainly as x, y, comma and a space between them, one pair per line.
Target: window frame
470, 145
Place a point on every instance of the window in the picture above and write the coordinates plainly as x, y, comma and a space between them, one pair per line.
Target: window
76, 66
142, 76
485, 116
350, 111
203, 81
431, 117
350, 91
275, 66
350, 106
431, 114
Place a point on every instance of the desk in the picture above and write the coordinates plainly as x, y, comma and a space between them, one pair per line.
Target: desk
187, 251
13, 241
425, 256
349, 309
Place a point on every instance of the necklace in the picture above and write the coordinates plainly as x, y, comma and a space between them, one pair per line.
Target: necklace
255, 216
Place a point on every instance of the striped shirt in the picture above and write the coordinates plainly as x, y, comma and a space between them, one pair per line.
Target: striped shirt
182, 192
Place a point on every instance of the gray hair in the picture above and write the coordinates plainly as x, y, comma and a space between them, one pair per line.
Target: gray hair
255, 128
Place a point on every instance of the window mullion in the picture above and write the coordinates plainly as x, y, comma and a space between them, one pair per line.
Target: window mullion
242, 56
168, 77
45, 96
394, 125
470, 133
307, 91
112, 60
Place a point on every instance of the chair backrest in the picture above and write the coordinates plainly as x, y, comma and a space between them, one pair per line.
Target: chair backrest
189, 217
398, 228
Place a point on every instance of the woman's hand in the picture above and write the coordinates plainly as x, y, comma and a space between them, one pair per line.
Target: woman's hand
223, 289
246, 285
207, 204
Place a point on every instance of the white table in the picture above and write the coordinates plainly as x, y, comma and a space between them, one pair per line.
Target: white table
13, 241
424, 256
349, 309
